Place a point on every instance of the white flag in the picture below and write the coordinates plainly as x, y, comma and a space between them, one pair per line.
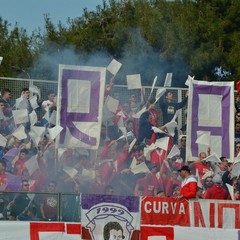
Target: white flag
114, 67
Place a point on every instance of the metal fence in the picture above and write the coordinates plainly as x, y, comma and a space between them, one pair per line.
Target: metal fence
17, 84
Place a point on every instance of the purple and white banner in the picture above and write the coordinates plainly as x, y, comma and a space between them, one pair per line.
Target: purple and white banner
211, 114
110, 217
80, 104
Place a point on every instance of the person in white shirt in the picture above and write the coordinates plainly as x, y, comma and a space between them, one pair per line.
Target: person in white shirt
49, 104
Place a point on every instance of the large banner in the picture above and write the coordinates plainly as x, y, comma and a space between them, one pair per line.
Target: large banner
110, 217
187, 233
201, 214
71, 231
117, 217
165, 211
40, 230
210, 120
80, 103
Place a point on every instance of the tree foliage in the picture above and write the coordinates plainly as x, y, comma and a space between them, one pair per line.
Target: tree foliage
149, 37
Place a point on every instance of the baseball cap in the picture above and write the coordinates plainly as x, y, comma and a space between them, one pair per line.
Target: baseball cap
184, 168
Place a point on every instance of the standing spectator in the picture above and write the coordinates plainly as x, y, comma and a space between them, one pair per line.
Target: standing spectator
5, 122
201, 165
154, 113
19, 166
145, 128
208, 183
149, 182
217, 191
49, 203
49, 104
237, 149
5, 97
169, 108
222, 167
189, 184
237, 133
21, 203
3, 176
182, 147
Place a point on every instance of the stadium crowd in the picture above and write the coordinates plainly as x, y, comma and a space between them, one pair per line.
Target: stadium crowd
136, 157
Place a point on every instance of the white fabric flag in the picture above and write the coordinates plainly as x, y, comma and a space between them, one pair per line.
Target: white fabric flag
55, 131
35, 138
114, 67
121, 114
20, 116
88, 174
231, 191
34, 89
38, 130
134, 81
33, 118
140, 168
24, 104
53, 117
159, 94
153, 86
132, 144
112, 104
208, 174
72, 172
148, 149
32, 165
3, 141
174, 152
157, 130
199, 183
213, 158
162, 143
189, 79
20, 133
171, 127
33, 102
168, 80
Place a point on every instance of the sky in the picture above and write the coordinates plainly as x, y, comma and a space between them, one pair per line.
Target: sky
29, 14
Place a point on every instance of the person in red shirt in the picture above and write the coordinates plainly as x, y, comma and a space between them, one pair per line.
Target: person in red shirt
201, 166
19, 166
217, 191
3, 176
189, 184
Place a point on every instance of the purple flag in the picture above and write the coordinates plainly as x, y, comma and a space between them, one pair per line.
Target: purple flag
11, 154
80, 103
210, 112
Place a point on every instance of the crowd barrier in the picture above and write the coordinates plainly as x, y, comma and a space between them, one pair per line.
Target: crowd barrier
144, 218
